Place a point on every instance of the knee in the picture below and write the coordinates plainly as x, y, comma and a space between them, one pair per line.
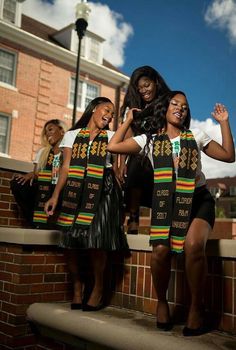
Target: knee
160, 253
194, 248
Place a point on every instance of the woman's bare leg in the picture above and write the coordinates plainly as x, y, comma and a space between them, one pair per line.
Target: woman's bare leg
73, 266
160, 268
196, 269
98, 259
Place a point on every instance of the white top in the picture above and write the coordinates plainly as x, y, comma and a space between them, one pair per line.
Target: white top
55, 164
69, 139
38, 155
201, 138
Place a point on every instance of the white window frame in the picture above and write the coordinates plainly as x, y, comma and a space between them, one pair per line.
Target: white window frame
7, 136
17, 19
83, 86
13, 82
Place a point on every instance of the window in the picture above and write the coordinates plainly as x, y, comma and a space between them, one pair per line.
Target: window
4, 133
232, 190
9, 10
86, 93
94, 50
213, 191
7, 67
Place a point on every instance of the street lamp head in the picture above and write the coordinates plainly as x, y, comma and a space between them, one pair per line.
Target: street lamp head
82, 10
82, 14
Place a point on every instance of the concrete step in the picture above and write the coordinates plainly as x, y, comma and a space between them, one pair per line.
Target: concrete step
117, 329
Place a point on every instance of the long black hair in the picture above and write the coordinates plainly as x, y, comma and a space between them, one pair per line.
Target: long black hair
86, 116
155, 115
132, 97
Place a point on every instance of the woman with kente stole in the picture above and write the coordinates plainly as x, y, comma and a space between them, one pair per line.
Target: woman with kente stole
91, 215
183, 210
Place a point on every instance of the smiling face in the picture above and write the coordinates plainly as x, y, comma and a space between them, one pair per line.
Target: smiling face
147, 89
53, 133
103, 114
177, 110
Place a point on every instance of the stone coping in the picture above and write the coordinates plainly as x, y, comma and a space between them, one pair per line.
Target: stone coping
114, 328
15, 165
223, 247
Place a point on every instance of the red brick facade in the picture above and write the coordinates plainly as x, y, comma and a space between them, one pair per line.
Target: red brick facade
41, 91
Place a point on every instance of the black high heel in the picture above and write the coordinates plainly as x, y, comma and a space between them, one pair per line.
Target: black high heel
87, 307
76, 306
164, 326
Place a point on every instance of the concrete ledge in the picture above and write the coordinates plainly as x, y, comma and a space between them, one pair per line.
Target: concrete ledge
215, 247
15, 165
113, 328
29, 236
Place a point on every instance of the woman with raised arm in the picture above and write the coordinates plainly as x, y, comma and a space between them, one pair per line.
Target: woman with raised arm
183, 210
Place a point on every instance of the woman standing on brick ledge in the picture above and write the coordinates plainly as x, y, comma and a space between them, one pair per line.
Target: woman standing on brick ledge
91, 215
146, 84
183, 209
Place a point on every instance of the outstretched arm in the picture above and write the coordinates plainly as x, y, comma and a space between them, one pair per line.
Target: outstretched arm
117, 143
51, 204
226, 151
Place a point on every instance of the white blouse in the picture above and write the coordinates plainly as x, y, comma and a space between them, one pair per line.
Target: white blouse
69, 139
201, 138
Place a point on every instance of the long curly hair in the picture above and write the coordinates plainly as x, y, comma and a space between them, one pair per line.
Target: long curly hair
86, 116
134, 99
155, 115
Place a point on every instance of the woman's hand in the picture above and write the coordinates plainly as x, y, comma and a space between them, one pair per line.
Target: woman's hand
22, 179
220, 113
130, 114
50, 206
122, 173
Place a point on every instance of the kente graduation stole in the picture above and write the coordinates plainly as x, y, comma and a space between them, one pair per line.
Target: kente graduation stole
172, 201
85, 180
44, 191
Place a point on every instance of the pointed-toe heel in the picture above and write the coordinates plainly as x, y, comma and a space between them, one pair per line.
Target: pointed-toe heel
76, 306
87, 307
164, 326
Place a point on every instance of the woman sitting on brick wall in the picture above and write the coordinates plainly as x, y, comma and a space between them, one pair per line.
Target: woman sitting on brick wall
25, 187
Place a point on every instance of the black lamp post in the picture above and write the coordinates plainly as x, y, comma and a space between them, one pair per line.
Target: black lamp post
82, 13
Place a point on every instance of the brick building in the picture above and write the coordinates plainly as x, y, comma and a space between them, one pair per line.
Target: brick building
37, 78
224, 192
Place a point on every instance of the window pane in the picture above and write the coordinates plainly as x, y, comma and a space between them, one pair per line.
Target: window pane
94, 50
9, 10
4, 125
72, 92
91, 93
7, 65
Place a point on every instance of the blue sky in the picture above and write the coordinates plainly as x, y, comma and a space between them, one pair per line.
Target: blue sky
192, 43
191, 55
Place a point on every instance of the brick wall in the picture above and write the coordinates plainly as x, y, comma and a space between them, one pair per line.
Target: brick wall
38, 274
10, 214
28, 274
41, 94
31, 274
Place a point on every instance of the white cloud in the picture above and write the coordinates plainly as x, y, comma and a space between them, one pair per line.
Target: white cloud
213, 168
102, 20
222, 13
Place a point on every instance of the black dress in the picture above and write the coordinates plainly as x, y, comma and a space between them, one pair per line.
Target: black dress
106, 230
